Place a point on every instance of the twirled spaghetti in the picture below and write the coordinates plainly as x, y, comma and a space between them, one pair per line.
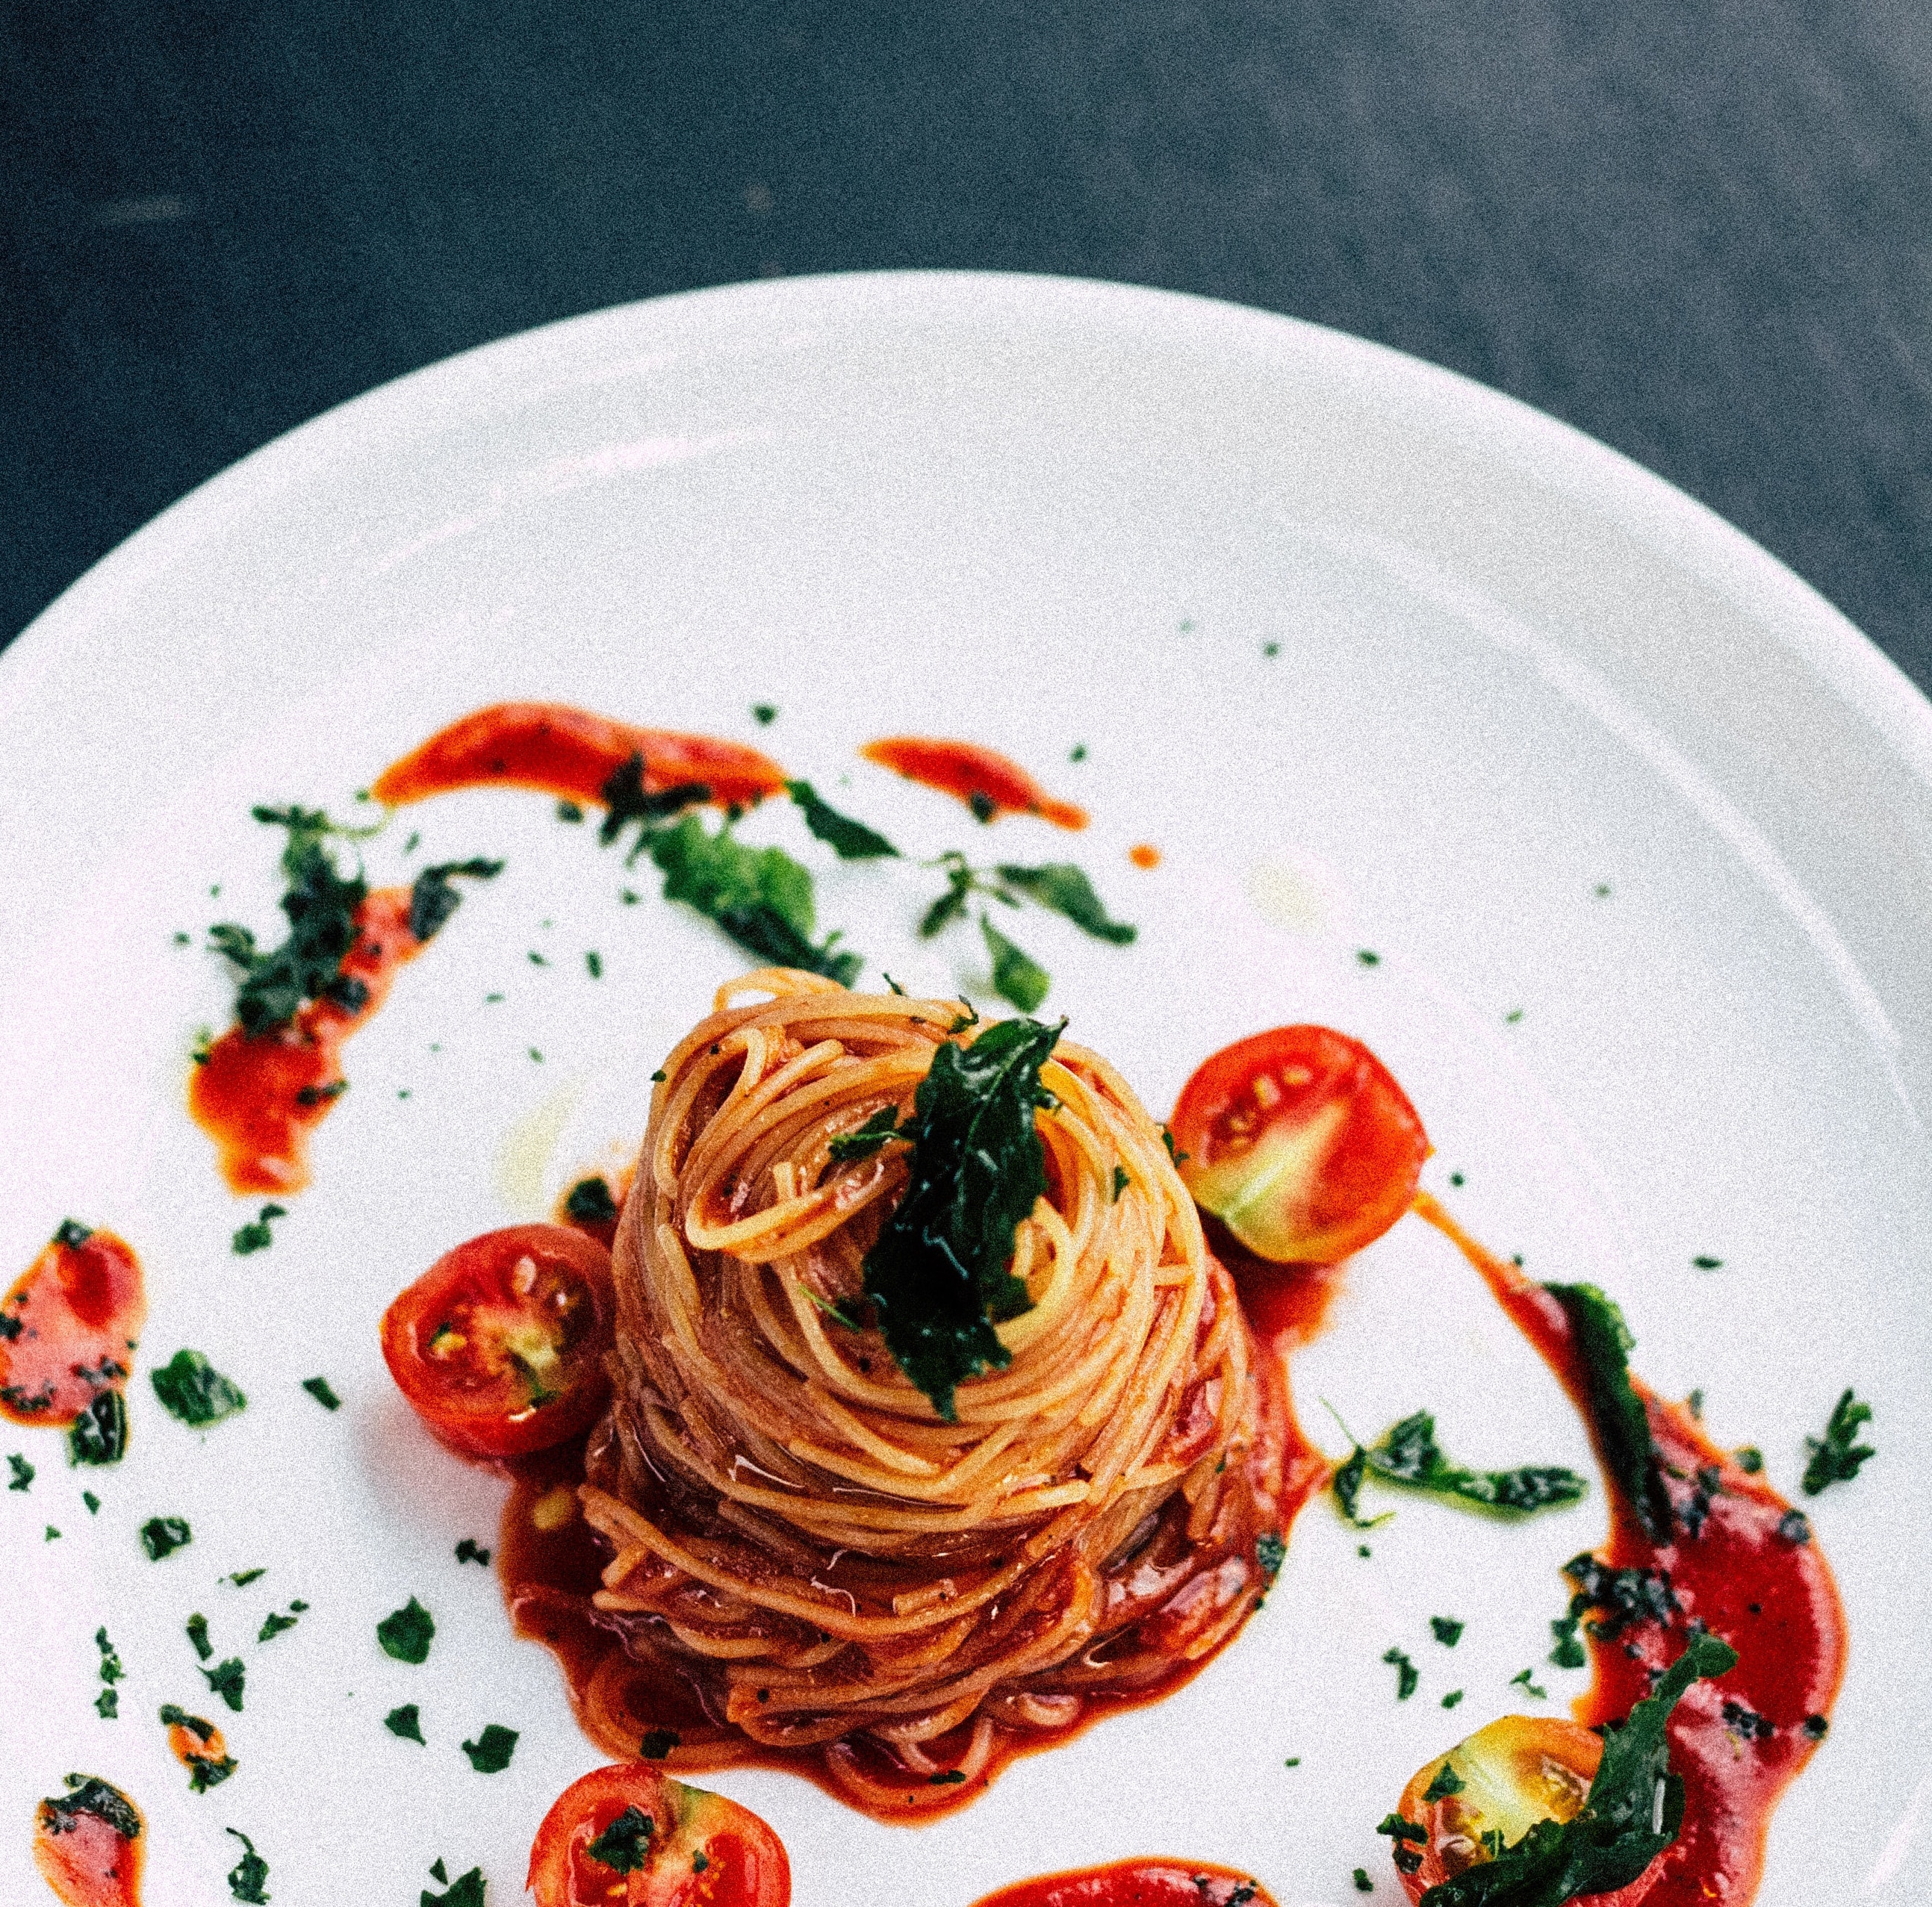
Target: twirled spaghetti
799, 1536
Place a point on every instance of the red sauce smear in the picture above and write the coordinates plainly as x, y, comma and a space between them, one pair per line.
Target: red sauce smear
1144, 854
550, 1575
67, 1325
196, 1750
1154, 1883
572, 754
1737, 1741
259, 1099
82, 1854
967, 770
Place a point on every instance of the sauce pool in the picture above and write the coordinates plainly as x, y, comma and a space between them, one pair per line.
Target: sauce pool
989, 784
1149, 1883
88, 1844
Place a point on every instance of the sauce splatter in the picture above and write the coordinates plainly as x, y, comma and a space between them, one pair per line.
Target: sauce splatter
67, 1325
88, 1844
1155, 1883
572, 754
199, 1747
259, 1098
989, 784
1144, 854
1739, 1560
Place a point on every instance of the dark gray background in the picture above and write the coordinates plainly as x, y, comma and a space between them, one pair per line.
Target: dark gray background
1700, 229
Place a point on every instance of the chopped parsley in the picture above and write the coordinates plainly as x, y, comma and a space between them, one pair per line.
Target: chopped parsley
863, 1141
1623, 1597
433, 899
90, 1795
1569, 1652
1368, 957
657, 1743
1446, 1629
939, 1273
490, 1754
469, 1550
255, 1236
227, 1679
197, 1633
764, 713
466, 1890
406, 1633
111, 1671
242, 1578
72, 1234
23, 1472
1521, 1679
319, 1388
162, 1536
1795, 1527
1402, 1831
405, 1722
1617, 1415
590, 1203
1408, 1454
1750, 1459
191, 1389
1121, 1182
1450, 1700
99, 1435
1407, 1675
624, 1846
1704, 1262
1363, 1883
1633, 1812
1838, 1456
275, 1625
1017, 976
1447, 1782
569, 811
1270, 1552
246, 1877
593, 964
760, 896
625, 798
850, 840
321, 907
87, 1497
107, 1704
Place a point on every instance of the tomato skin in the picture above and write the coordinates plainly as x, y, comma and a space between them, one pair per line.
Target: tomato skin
497, 1371
745, 1863
1300, 1142
1518, 1770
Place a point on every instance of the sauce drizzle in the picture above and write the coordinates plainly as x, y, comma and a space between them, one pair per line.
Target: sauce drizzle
259, 1098
989, 784
1147, 1883
1740, 1561
572, 754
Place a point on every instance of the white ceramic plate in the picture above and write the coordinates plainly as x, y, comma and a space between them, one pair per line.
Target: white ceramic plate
1376, 657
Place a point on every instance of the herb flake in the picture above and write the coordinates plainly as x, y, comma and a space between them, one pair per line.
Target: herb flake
406, 1633
1838, 1456
193, 1390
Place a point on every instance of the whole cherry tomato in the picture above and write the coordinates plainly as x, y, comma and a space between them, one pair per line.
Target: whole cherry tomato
499, 1345
629, 1837
1300, 1141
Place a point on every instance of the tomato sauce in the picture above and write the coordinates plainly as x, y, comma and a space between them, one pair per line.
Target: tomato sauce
550, 1574
83, 1846
572, 754
1154, 1883
1737, 1562
988, 782
259, 1098
1144, 855
67, 1326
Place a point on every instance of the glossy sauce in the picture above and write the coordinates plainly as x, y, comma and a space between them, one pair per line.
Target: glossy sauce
1737, 1741
68, 1326
1153, 1883
572, 754
550, 1575
259, 1099
84, 1857
964, 770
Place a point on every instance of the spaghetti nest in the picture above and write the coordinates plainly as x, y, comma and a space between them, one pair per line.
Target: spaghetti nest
830, 1562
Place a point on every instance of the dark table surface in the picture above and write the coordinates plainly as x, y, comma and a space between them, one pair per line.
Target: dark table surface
1699, 229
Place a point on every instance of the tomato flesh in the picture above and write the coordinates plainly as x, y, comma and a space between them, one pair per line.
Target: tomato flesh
1300, 1142
1519, 1771
499, 1345
657, 1843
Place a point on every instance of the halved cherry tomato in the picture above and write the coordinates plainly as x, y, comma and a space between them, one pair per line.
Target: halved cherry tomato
628, 1836
499, 1345
1517, 1771
1300, 1141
